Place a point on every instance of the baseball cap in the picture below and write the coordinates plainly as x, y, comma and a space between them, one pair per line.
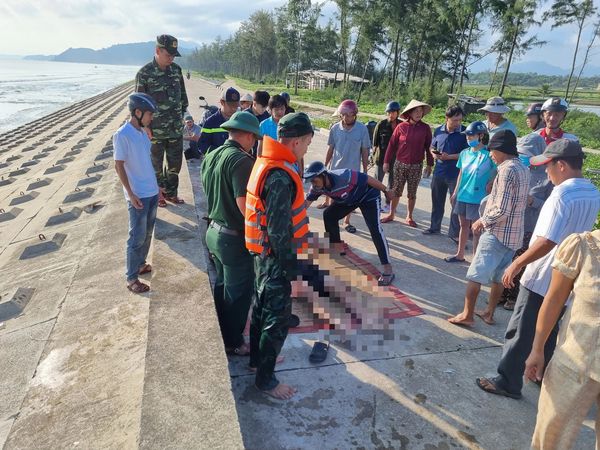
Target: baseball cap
230, 95
504, 141
188, 117
561, 148
295, 125
169, 43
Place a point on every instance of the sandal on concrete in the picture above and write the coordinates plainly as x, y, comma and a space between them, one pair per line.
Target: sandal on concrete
318, 353
146, 268
137, 287
242, 350
386, 279
453, 259
350, 228
175, 199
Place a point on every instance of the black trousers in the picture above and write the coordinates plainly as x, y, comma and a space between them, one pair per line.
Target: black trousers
370, 211
519, 341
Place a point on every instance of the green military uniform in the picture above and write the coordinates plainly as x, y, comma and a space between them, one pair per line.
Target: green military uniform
225, 175
274, 273
167, 88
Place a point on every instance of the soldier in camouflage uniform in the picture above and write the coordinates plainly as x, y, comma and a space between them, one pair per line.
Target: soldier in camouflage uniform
163, 81
283, 228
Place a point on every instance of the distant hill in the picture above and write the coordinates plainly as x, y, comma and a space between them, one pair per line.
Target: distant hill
121, 54
539, 67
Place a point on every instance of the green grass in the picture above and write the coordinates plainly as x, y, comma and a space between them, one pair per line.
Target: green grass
584, 125
529, 94
593, 162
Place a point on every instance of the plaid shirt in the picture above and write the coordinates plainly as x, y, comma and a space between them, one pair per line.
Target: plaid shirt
504, 214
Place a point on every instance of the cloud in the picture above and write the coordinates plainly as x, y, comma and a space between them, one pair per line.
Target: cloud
52, 26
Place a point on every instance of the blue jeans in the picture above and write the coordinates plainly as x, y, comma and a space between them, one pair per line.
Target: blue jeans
440, 187
141, 226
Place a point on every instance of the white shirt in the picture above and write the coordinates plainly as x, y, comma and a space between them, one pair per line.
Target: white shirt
571, 208
133, 147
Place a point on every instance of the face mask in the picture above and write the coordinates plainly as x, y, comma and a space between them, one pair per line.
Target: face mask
474, 143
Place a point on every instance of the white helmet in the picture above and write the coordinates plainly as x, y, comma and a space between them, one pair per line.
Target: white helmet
555, 104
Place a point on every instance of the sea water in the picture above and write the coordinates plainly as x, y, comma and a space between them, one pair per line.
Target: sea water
32, 89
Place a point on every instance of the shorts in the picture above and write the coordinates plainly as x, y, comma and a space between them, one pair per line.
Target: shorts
490, 261
468, 210
406, 174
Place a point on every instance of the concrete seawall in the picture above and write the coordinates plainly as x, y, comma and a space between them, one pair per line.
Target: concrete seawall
86, 363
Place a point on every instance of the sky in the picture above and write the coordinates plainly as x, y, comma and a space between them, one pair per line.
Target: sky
52, 26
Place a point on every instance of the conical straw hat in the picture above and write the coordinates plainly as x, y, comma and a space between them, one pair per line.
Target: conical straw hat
415, 104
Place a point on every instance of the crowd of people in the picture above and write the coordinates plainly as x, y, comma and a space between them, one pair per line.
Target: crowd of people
524, 202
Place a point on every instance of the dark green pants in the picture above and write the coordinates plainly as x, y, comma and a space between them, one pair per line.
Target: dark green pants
270, 320
234, 288
167, 174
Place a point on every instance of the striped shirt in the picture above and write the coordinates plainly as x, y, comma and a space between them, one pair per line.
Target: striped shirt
504, 214
571, 208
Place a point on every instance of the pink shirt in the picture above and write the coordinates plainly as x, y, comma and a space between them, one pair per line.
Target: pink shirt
410, 143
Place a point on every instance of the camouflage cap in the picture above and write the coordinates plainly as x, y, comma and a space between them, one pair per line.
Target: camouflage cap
169, 43
294, 125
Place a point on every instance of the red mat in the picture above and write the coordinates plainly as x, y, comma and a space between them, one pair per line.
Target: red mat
360, 278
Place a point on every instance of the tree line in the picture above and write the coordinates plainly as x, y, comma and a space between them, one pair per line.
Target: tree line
395, 43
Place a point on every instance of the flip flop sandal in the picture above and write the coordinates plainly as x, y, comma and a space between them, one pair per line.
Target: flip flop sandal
175, 199
350, 229
495, 389
411, 223
509, 305
146, 268
162, 203
137, 287
386, 279
453, 259
293, 321
318, 353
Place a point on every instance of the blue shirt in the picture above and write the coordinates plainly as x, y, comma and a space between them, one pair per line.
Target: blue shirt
348, 187
212, 135
477, 169
268, 127
451, 143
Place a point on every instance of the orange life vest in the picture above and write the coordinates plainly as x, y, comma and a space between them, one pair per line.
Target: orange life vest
274, 156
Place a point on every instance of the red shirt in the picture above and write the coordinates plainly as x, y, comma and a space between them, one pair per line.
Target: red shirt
410, 143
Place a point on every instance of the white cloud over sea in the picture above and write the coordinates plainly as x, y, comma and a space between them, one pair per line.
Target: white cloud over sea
52, 26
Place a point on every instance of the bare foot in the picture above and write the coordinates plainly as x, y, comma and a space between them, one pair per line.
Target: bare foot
486, 317
279, 360
282, 392
461, 320
387, 219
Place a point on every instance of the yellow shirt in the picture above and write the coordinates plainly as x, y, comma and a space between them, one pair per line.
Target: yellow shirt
578, 258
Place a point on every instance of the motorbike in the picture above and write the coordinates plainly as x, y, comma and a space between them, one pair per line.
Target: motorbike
209, 110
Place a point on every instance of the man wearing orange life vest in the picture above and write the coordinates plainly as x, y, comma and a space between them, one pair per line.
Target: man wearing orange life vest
276, 227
